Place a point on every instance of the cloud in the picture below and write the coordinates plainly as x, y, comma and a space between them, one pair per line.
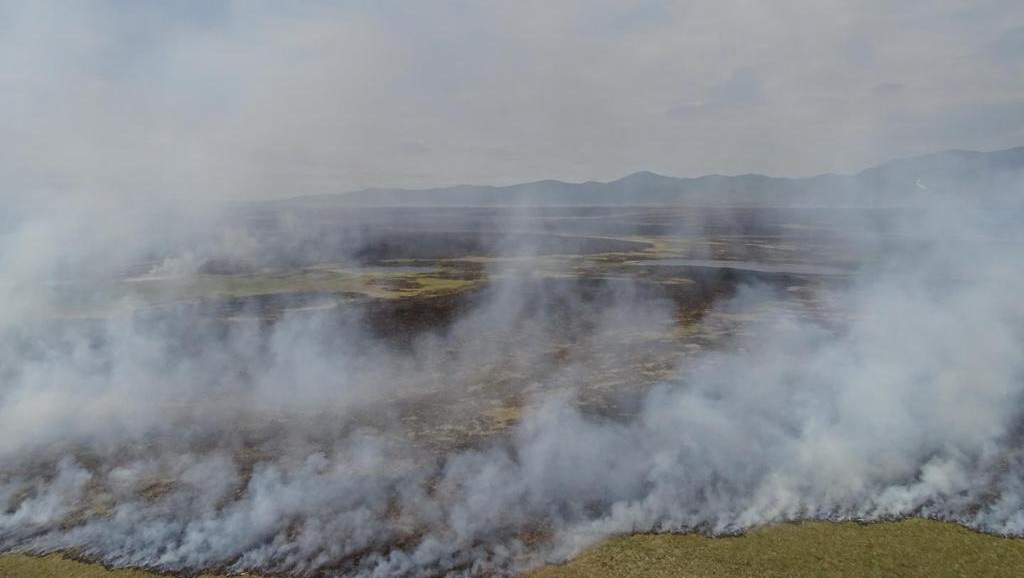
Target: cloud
259, 99
887, 89
1008, 49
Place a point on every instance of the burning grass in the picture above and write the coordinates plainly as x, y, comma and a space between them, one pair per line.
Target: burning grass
905, 549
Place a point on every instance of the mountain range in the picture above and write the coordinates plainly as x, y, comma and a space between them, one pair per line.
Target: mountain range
989, 176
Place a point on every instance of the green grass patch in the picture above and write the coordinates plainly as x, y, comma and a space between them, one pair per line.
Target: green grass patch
57, 566
909, 548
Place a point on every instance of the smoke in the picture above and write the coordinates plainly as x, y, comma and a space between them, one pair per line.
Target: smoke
169, 438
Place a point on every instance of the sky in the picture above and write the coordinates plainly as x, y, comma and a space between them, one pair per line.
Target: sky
259, 99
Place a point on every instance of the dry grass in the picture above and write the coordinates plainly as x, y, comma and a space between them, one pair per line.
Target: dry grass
98, 300
372, 285
906, 549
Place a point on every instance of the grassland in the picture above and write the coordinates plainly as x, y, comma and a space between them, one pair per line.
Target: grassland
906, 549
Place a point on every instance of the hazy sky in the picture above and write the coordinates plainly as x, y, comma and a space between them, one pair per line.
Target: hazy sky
252, 98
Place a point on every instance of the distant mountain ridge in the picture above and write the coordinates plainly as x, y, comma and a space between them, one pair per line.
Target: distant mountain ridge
992, 176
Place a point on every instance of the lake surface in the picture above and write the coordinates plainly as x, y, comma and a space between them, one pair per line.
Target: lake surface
393, 269
755, 266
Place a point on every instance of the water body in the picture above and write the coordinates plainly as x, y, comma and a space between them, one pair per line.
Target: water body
754, 266
394, 269
373, 269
